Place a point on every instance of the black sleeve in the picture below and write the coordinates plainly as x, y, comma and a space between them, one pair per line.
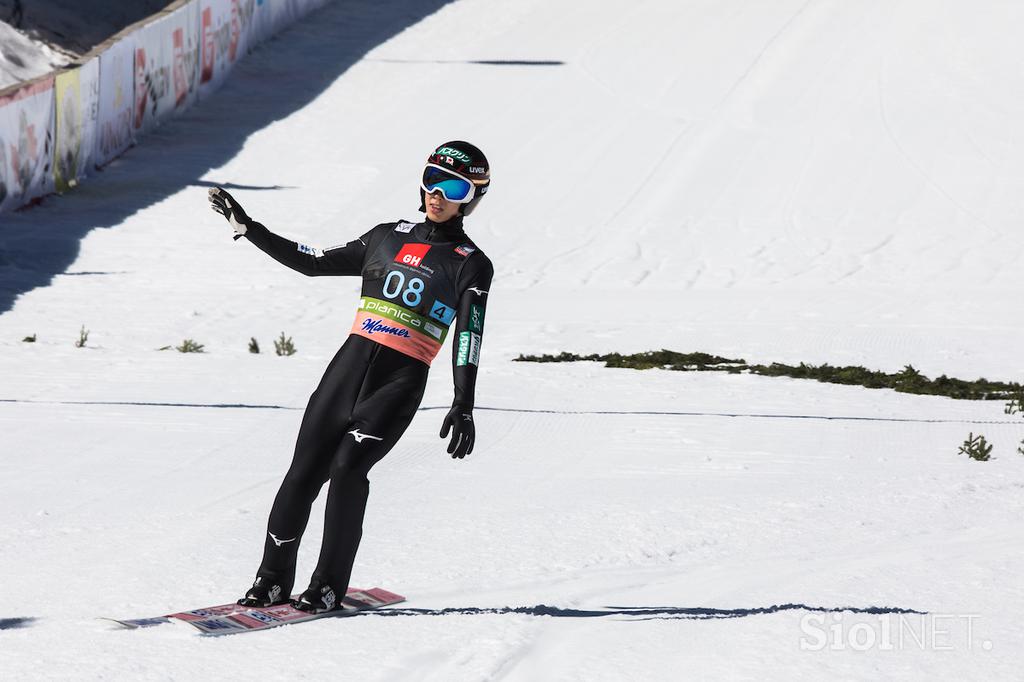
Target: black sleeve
475, 284
338, 260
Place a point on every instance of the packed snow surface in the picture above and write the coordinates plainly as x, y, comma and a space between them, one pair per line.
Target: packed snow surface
789, 181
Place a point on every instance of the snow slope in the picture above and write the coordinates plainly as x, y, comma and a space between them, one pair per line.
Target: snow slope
22, 58
43, 35
792, 181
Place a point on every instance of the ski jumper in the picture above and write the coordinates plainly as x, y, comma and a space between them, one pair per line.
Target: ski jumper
417, 280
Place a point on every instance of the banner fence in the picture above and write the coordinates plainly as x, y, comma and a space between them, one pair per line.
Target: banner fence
26, 145
55, 130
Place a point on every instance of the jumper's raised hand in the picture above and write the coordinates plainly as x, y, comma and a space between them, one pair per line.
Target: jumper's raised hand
225, 204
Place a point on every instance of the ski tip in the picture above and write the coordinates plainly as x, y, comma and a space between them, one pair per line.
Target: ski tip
137, 623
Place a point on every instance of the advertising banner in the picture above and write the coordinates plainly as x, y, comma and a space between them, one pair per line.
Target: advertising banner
225, 35
77, 112
117, 91
166, 67
26, 144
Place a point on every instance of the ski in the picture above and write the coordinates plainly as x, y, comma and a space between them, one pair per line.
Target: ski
228, 619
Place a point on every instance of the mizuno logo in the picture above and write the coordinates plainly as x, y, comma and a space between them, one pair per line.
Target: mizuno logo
360, 437
478, 292
280, 542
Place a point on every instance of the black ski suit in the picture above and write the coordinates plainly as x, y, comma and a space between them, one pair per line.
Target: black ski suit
417, 278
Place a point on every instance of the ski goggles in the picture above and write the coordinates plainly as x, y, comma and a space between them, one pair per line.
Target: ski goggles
454, 187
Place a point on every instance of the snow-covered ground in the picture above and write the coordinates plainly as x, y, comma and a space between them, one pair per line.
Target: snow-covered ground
38, 36
22, 58
792, 181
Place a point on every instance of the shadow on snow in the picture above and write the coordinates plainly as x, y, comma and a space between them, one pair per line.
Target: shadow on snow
15, 623
636, 612
41, 242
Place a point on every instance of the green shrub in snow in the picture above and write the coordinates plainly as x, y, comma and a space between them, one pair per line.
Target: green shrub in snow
189, 346
284, 346
976, 447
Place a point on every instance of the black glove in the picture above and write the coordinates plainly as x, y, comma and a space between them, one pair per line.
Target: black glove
460, 420
225, 204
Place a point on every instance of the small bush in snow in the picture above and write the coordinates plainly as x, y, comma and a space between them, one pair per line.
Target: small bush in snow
284, 346
254, 345
29, 339
976, 447
83, 336
1016, 405
1020, 448
189, 346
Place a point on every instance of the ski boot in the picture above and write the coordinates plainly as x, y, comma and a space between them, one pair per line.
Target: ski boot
266, 591
318, 598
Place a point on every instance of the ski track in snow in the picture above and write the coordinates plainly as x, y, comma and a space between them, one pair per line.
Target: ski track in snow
802, 181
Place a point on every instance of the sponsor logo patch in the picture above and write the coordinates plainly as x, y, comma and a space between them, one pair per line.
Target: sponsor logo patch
469, 349
476, 318
433, 330
464, 249
278, 541
403, 226
474, 348
360, 437
397, 313
412, 254
309, 250
372, 326
454, 153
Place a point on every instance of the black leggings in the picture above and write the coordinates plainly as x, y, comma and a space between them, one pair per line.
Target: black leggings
365, 401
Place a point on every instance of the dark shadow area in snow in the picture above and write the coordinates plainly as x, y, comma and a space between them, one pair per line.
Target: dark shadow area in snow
15, 623
734, 415
637, 612
279, 78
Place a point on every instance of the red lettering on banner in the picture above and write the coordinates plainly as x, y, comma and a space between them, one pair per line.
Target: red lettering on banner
209, 50
236, 31
180, 82
412, 254
141, 88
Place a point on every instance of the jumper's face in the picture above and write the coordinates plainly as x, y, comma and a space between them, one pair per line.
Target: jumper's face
438, 208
